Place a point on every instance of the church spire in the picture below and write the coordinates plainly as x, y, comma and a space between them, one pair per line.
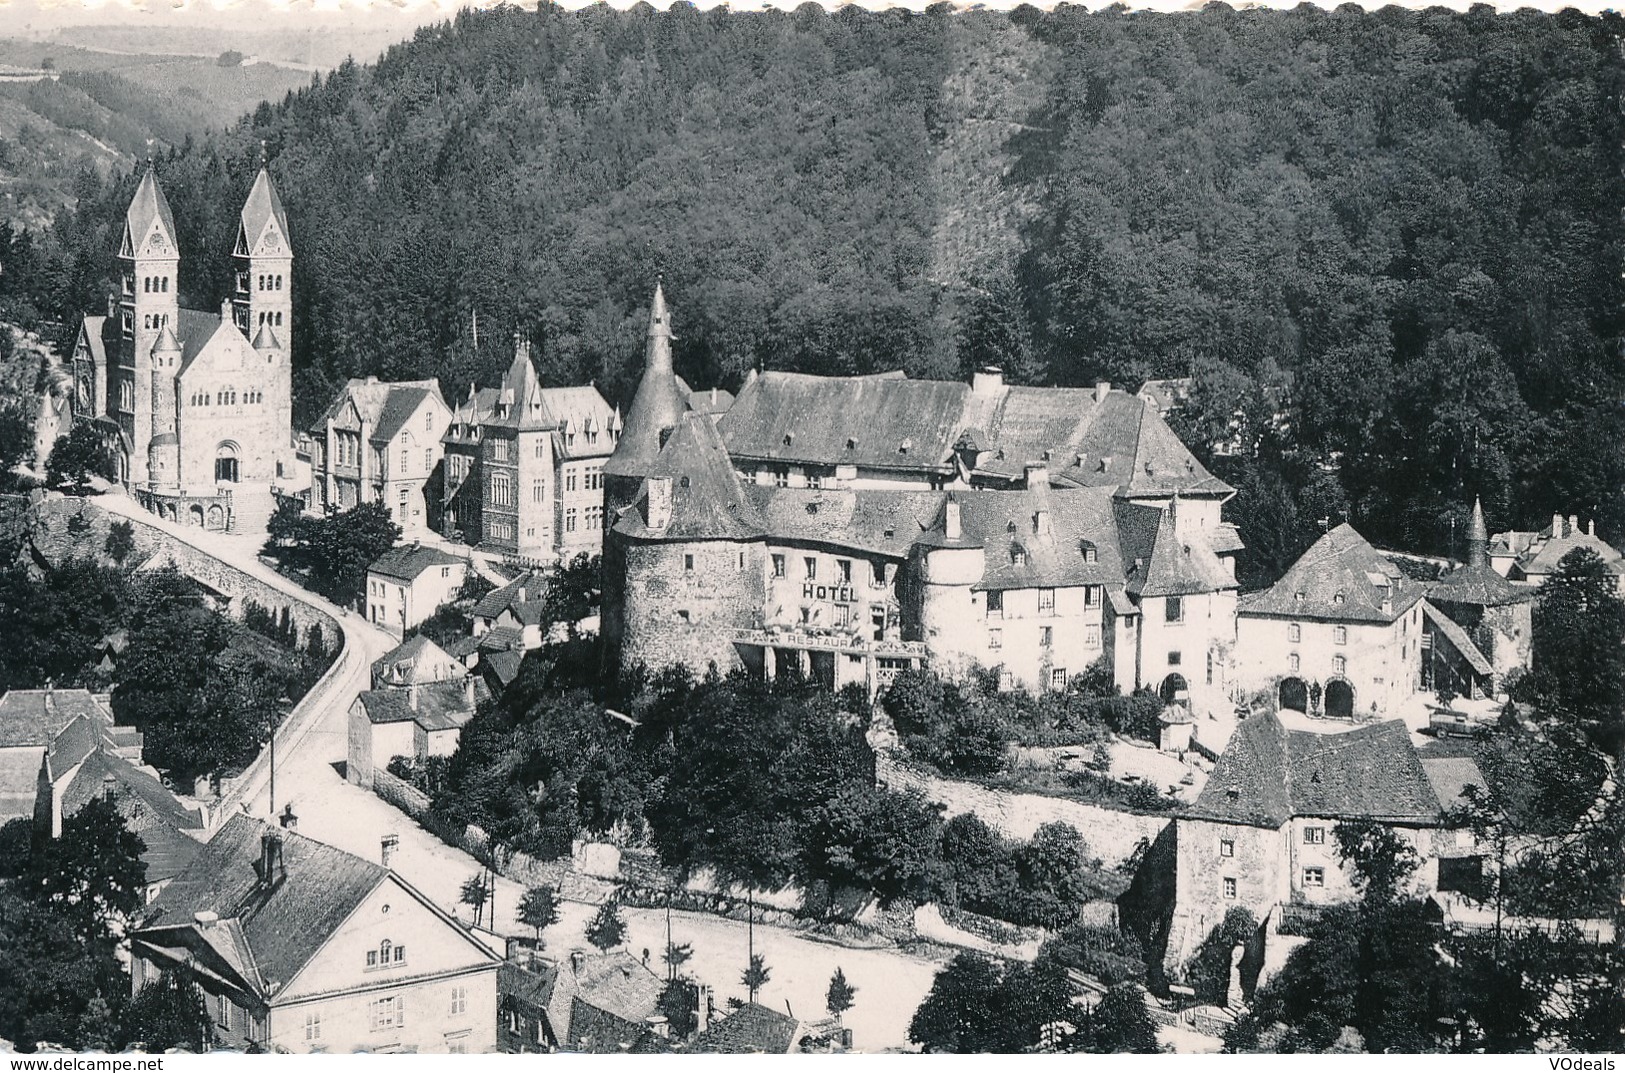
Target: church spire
656, 409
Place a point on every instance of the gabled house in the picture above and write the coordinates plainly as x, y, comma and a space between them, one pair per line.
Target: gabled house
30, 720
410, 583
1529, 558
418, 661
301, 947
379, 442
413, 721
1262, 834
93, 759
512, 616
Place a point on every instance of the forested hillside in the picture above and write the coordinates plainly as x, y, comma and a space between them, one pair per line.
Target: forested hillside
1392, 240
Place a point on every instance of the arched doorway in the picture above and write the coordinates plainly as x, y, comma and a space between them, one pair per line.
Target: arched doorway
1294, 695
225, 462
195, 515
217, 517
1339, 699
1174, 687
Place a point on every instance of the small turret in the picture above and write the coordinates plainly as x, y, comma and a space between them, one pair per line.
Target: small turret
656, 410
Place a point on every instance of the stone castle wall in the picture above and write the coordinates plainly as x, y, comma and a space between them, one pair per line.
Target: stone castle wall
678, 602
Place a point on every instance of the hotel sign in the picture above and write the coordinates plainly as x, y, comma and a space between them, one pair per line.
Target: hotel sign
841, 594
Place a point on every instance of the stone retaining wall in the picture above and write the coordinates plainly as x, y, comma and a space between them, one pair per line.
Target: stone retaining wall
1112, 836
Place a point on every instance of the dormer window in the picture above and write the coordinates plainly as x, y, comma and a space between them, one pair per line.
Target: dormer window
1010, 527
903, 448
1018, 555
851, 445
1338, 598
789, 437
1298, 596
1090, 552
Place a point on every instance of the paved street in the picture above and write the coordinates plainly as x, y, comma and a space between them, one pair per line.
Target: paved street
331, 810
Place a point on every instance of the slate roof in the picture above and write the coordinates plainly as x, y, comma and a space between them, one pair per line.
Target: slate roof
503, 665
1458, 637
1450, 776
149, 809
525, 595
440, 705
147, 205
414, 662
281, 928
1476, 583
708, 500
469, 414
1341, 562
411, 561
611, 996
95, 342
1158, 561
33, 717
519, 403
751, 1029
383, 405
659, 404
1051, 530
880, 522
1372, 771
1167, 394
715, 401
262, 206
501, 639
579, 410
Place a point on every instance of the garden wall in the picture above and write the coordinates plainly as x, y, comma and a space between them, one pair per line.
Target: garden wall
1113, 836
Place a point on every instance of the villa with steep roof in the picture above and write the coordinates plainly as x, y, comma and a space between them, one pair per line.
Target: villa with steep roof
1261, 836
379, 442
524, 467
30, 720
300, 947
196, 405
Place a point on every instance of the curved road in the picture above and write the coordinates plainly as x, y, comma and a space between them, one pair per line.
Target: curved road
313, 741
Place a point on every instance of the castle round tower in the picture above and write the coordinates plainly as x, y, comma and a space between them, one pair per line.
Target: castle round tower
947, 568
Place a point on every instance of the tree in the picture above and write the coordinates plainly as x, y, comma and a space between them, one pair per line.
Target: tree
840, 996
120, 541
1118, 1025
475, 892
92, 876
877, 839
756, 975
676, 955
77, 457
170, 1013
539, 908
974, 1007
1381, 860
607, 930
334, 550
679, 1003
1578, 671
52, 980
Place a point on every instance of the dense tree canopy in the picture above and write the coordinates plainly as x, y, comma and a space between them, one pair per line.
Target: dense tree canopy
1385, 243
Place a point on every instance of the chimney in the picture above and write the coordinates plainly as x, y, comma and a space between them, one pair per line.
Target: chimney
272, 871
1591, 528
50, 695
659, 504
112, 305
577, 960
1040, 522
468, 690
658, 1025
987, 381
950, 519
109, 789
1037, 475
289, 821
206, 919
386, 848
1102, 389
225, 309
1557, 526
713, 396
1574, 525
412, 696
702, 1007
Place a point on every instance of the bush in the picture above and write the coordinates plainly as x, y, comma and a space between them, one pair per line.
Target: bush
1105, 953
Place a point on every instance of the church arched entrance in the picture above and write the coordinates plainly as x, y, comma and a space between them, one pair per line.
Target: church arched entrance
217, 517
1294, 695
195, 515
225, 462
1339, 699
1174, 687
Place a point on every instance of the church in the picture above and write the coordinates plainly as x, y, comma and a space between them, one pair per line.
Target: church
197, 405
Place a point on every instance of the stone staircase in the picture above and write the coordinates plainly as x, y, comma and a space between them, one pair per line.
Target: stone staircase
251, 508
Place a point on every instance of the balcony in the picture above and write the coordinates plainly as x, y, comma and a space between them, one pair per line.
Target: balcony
829, 641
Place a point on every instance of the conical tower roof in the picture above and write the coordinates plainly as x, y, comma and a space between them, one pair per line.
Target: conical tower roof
659, 404
265, 338
708, 499
148, 208
167, 343
1476, 582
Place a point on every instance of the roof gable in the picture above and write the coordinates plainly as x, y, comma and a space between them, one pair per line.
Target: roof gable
1341, 578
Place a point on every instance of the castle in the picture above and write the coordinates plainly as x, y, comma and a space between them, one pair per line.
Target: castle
847, 528
196, 406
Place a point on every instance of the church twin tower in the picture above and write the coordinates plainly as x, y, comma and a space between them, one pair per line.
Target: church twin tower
194, 400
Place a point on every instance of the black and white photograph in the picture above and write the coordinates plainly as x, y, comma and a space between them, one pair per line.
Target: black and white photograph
779, 529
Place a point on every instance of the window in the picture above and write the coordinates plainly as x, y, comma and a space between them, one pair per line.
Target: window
1340, 665
1337, 599
1091, 636
569, 482
570, 520
499, 450
1175, 608
1057, 678
1294, 632
541, 449
688, 564
387, 1012
781, 478
1340, 635
844, 568
459, 1000
995, 603
222, 1011
778, 566
1046, 601
843, 614
1314, 877
1175, 659
877, 574
741, 560
313, 1025
1091, 596
538, 491
1227, 847
428, 459
812, 568
501, 490
372, 955
428, 422
1230, 887
1046, 636
995, 638
1292, 663
1314, 836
